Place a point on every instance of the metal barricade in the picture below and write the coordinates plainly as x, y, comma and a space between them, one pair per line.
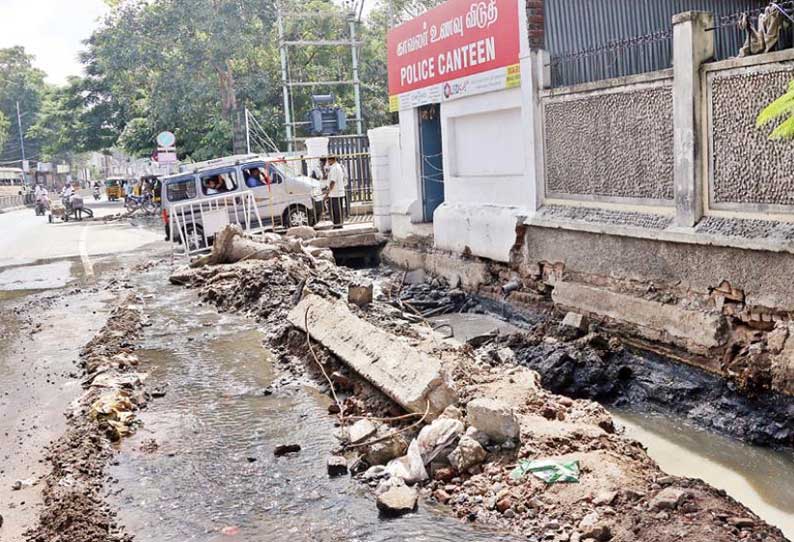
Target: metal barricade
195, 223
7, 202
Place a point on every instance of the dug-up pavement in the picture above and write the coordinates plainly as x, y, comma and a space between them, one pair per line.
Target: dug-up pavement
422, 418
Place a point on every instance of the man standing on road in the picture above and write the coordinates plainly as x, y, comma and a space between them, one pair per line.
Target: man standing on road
336, 190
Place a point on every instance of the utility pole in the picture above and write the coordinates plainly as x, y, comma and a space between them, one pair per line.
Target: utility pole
356, 82
284, 78
21, 145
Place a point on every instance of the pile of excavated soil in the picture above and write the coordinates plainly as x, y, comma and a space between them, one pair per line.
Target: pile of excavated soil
621, 493
74, 509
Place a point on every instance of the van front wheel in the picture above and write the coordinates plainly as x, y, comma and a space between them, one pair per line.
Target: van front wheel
298, 215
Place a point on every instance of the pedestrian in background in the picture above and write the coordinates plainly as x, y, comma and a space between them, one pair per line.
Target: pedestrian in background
336, 190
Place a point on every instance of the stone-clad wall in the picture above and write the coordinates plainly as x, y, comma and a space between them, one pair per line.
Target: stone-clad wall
611, 144
747, 168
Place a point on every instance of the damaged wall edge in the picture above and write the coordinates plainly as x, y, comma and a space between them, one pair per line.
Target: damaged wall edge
725, 310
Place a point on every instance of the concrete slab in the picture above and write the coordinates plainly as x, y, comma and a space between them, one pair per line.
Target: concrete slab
654, 320
411, 378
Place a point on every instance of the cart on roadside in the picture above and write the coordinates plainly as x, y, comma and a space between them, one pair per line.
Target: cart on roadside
69, 209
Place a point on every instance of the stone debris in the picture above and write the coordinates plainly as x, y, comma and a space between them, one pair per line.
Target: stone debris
74, 509
493, 417
361, 431
397, 501
284, 449
412, 379
575, 320
465, 462
360, 294
337, 465
668, 499
469, 453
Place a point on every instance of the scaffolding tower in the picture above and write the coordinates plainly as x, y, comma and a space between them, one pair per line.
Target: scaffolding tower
353, 18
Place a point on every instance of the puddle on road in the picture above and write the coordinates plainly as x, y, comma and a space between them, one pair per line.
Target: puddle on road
216, 416
36, 277
759, 478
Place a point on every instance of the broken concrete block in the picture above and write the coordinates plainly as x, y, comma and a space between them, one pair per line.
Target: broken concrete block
469, 453
695, 329
575, 320
361, 431
302, 232
397, 501
360, 294
493, 417
337, 465
668, 499
413, 379
385, 450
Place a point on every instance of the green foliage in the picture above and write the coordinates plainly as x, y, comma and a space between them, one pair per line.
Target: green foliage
782, 108
192, 66
4, 126
19, 82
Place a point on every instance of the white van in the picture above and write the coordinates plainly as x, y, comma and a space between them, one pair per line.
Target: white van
282, 199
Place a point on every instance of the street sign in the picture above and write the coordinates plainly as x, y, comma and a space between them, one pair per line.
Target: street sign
62, 168
166, 139
166, 157
44, 167
26, 166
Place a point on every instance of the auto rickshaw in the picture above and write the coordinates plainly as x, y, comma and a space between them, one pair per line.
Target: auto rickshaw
113, 188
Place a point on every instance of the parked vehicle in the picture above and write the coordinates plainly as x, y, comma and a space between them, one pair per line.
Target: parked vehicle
113, 188
144, 203
282, 199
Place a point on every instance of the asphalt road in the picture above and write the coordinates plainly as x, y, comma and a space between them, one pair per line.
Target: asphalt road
27, 238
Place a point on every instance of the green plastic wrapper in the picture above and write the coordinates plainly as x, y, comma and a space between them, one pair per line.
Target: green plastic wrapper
548, 470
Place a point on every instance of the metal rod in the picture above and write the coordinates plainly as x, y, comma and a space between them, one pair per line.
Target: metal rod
247, 133
319, 43
320, 83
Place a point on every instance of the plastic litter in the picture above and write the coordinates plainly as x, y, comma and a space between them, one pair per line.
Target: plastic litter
548, 470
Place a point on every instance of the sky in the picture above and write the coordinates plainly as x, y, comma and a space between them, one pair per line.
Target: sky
52, 30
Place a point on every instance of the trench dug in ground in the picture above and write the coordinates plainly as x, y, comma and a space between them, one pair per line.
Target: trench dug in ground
621, 494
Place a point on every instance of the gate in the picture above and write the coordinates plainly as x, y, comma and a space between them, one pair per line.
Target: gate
354, 155
195, 223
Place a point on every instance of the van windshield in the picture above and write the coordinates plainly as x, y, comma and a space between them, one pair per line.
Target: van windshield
181, 190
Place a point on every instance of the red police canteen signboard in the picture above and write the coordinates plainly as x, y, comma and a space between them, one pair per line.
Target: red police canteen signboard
459, 48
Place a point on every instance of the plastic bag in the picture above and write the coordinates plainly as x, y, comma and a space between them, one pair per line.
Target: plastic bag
548, 470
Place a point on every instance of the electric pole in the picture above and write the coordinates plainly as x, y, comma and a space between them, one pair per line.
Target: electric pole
21, 145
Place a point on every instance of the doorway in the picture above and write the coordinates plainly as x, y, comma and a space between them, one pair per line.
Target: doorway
431, 159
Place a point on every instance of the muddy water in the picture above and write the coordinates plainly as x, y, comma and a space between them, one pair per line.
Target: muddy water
761, 479
216, 429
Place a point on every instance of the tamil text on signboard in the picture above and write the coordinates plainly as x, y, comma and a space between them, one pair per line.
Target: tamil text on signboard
460, 48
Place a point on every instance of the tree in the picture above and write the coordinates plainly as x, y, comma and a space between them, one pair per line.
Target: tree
782, 108
4, 125
20, 83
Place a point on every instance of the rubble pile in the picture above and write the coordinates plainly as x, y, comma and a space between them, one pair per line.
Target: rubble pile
74, 510
508, 453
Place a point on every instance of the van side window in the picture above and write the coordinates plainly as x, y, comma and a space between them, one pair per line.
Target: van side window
276, 176
181, 190
218, 183
254, 177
